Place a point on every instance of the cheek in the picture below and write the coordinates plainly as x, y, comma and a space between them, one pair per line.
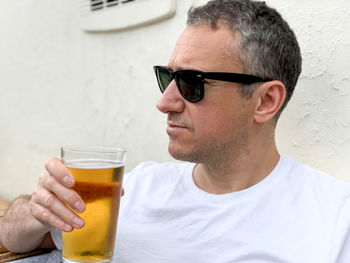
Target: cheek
220, 121
214, 124
219, 115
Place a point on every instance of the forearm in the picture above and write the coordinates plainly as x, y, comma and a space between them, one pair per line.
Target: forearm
19, 230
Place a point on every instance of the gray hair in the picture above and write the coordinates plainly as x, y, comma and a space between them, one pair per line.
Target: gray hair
268, 47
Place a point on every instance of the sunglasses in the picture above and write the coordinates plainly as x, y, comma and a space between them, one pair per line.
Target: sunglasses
191, 82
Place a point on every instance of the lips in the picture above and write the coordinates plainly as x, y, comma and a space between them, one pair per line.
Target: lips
174, 128
175, 125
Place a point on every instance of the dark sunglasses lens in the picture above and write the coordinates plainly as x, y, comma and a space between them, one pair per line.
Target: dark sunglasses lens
189, 85
164, 78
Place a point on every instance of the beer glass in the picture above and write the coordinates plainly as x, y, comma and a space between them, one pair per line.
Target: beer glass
98, 174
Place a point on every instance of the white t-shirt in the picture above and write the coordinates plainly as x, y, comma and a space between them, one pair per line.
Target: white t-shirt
296, 214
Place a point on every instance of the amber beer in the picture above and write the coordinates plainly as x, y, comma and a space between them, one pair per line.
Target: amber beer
99, 183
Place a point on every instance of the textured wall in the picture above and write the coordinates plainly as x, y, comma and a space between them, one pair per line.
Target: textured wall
315, 128
60, 85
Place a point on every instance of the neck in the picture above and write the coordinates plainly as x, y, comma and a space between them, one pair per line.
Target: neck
237, 172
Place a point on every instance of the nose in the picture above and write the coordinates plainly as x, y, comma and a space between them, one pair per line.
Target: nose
171, 100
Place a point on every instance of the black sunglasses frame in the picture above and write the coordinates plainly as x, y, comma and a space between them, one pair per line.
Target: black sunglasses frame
200, 76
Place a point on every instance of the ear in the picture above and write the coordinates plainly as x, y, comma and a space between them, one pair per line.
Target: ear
270, 98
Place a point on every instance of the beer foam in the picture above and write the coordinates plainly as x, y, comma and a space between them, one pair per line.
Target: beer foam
93, 164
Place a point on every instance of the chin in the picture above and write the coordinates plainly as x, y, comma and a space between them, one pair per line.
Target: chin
182, 154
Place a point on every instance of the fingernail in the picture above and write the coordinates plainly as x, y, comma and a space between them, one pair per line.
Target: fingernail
79, 206
68, 180
78, 222
67, 228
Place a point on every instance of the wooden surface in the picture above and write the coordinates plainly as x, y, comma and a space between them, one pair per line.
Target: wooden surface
6, 256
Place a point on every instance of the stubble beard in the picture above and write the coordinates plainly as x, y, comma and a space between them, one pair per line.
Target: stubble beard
215, 153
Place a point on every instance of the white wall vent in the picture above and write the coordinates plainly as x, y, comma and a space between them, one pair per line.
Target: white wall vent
109, 15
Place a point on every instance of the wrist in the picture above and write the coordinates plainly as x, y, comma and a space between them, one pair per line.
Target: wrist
19, 230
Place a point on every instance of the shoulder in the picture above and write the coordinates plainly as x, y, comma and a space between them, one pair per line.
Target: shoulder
151, 182
324, 187
156, 173
316, 177
153, 169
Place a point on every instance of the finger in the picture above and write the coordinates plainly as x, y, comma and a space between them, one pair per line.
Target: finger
64, 194
56, 168
52, 208
46, 217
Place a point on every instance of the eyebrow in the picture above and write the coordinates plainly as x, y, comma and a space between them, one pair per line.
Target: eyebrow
183, 68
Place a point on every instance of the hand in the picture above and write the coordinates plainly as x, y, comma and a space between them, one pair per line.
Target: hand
53, 193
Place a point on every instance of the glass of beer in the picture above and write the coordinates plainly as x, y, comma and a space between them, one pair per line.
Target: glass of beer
98, 173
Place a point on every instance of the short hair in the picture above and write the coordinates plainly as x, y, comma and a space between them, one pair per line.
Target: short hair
268, 46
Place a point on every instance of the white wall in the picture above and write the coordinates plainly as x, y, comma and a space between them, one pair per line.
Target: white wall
60, 85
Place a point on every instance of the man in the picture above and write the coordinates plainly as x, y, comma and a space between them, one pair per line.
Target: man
235, 199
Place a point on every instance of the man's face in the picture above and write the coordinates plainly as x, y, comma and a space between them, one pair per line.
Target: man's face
218, 125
